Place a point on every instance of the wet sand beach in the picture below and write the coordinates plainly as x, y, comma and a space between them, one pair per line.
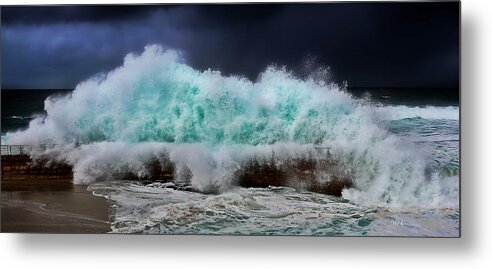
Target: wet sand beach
52, 208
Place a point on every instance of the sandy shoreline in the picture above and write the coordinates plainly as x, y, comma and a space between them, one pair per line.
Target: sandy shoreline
53, 209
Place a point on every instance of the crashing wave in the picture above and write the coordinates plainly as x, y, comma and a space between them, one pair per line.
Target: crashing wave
209, 126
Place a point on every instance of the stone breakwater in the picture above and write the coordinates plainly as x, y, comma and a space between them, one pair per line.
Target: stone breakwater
302, 174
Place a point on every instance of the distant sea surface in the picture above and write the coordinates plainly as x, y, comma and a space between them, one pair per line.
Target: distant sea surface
19, 107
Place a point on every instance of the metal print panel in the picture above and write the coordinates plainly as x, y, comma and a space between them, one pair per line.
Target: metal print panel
316, 119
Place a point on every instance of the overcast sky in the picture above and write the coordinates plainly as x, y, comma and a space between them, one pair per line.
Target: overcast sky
365, 44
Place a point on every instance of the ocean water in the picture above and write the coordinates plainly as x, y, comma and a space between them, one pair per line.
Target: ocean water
402, 157
164, 208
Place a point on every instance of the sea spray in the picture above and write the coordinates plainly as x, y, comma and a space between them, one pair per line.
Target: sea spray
208, 125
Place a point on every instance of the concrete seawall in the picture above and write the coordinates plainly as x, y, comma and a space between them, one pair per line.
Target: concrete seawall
322, 176
19, 172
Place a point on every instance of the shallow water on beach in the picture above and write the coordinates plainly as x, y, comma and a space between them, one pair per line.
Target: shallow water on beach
164, 208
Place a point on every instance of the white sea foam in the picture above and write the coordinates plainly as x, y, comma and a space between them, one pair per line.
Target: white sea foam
160, 209
428, 112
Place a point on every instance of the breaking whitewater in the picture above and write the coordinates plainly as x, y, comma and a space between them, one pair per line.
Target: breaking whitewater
278, 156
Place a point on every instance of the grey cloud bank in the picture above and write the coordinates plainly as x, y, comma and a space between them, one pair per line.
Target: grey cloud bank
402, 45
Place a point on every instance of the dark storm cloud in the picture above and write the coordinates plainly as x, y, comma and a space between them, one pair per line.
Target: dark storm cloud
393, 44
71, 14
